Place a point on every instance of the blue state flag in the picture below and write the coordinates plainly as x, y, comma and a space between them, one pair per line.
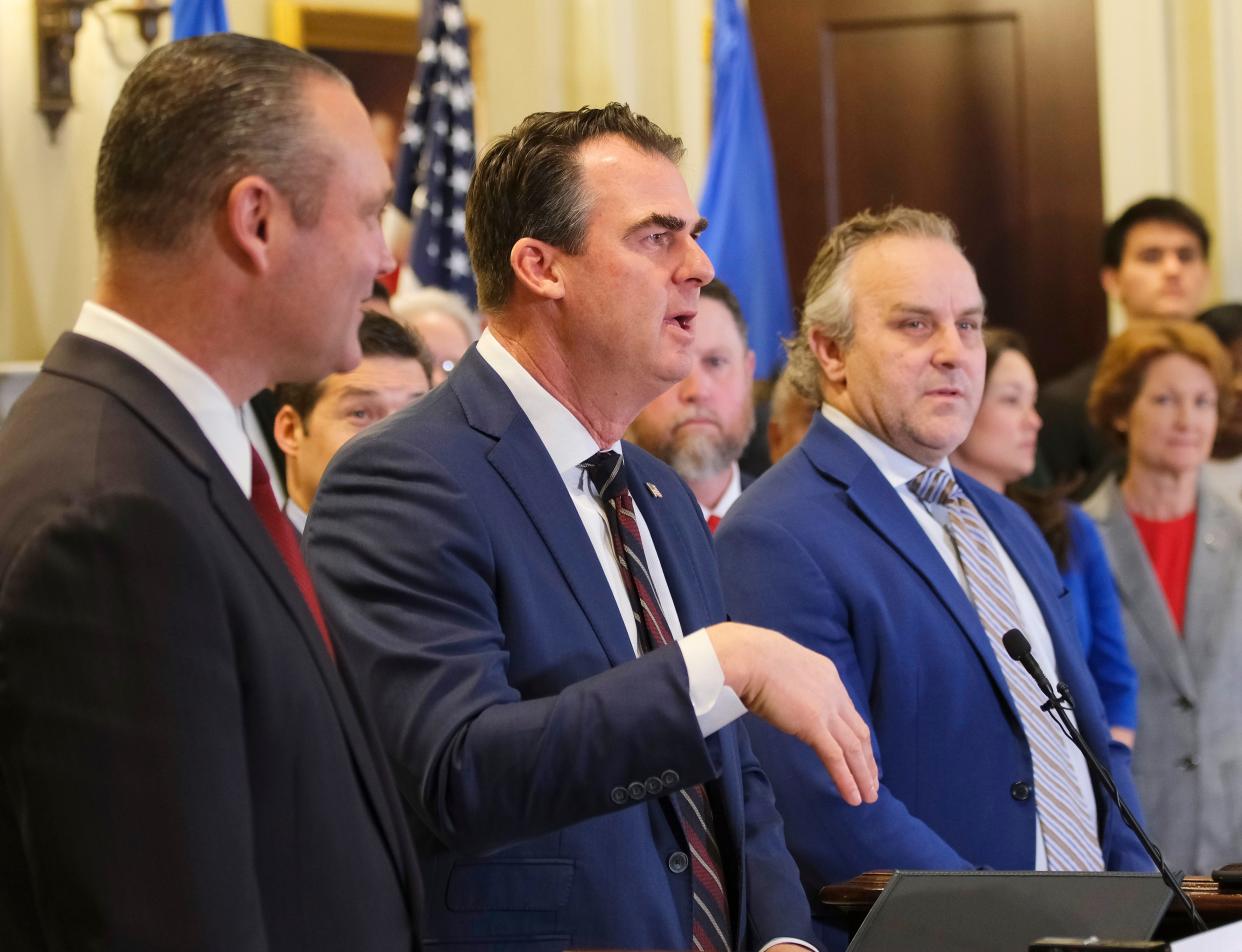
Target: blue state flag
739, 193
437, 151
198, 18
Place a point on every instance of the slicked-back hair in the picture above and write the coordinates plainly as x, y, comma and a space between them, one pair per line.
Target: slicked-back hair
828, 298
717, 290
528, 184
378, 336
1156, 208
195, 117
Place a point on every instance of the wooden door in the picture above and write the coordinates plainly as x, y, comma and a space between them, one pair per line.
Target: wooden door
985, 110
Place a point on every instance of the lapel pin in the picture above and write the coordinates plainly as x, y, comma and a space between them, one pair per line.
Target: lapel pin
655, 490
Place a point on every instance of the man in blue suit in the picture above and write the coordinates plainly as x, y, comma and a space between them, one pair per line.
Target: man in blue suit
864, 545
513, 584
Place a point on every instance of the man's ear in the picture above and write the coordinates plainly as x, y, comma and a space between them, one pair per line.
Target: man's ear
1109, 282
536, 265
288, 430
829, 354
750, 365
250, 212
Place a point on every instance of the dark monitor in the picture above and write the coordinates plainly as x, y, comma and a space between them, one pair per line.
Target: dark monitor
1006, 912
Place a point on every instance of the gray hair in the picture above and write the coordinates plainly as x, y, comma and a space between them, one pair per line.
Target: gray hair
411, 305
828, 296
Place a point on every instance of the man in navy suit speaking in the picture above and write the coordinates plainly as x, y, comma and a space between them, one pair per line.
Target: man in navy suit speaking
533, 605
907, 574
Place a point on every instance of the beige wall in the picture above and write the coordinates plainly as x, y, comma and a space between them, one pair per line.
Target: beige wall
538, 54
1171, 116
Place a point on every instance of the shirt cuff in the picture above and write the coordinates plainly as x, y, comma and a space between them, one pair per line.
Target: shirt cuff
797, 942
715, 705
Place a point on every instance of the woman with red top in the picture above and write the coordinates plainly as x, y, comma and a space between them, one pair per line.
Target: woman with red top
1176, 552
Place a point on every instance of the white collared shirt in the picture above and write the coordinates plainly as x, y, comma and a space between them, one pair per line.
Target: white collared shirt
731, 494
897, 470
295, 514
569, 444
209, 405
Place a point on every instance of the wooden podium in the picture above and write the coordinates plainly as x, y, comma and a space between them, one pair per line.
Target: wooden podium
848, 903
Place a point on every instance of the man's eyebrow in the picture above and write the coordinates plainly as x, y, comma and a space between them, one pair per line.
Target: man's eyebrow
901, 308
668, 223
658, 220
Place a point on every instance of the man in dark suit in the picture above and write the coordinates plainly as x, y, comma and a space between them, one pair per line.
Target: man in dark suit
701, 425
515, 584
183, 764
1154, 266
864, 545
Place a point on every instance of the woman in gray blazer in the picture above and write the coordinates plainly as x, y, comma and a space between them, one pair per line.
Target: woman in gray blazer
1176, 552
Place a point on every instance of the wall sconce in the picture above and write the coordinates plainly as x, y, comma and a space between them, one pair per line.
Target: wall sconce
56, 26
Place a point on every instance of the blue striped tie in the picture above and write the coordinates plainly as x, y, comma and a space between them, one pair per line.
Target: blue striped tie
1070, 841
710, 921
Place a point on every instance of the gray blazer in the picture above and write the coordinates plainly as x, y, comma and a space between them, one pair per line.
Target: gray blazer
1188, 756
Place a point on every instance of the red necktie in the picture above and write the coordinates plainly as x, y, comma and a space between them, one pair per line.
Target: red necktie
283, 534
710, 919
712, 522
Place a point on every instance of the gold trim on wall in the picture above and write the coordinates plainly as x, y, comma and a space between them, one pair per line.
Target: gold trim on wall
307, 25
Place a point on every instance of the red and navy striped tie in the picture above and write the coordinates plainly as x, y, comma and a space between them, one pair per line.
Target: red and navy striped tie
710, 916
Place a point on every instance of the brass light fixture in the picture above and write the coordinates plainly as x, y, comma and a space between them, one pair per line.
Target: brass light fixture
56, 27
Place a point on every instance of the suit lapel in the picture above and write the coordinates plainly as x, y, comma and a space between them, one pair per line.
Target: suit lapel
669, 535
1212, 570
143, 393
841, 460
1140, 591
521, 460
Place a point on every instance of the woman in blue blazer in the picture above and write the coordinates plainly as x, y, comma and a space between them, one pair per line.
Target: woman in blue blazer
999, 451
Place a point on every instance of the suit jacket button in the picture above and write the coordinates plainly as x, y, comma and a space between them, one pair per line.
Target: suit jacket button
619, 796
654, 786
637, 790
678, 862
1020, 791
1189, 762
670, 778
1185, 703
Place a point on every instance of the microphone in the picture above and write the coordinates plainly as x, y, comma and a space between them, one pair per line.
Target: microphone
1020, 650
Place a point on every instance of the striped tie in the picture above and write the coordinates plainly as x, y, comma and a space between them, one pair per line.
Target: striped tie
1070, 841
710, 915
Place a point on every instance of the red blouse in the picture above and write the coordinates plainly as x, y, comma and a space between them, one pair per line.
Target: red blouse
1169, 544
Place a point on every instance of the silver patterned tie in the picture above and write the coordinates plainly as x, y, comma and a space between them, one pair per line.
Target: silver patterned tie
1070, 841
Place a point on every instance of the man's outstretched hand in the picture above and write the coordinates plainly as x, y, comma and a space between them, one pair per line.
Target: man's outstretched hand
799, 692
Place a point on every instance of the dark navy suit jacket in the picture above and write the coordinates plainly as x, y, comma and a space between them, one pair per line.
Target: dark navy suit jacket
533, 749
823, 549
182, 766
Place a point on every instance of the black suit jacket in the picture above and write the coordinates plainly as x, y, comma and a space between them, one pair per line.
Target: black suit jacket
181, 764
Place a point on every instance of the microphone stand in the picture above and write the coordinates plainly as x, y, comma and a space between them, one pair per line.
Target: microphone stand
1058, 705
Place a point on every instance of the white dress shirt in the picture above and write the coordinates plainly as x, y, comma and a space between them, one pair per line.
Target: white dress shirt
295, 514
210, 406
731, 494
898, 469
569, 444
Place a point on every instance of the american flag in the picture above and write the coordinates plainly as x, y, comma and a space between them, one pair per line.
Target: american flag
437, 151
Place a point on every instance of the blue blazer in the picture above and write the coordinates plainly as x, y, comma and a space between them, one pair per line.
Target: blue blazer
824, 550
1097, 608
534, 751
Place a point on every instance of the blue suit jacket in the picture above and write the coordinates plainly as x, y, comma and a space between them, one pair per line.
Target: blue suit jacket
823, 549
533, 749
